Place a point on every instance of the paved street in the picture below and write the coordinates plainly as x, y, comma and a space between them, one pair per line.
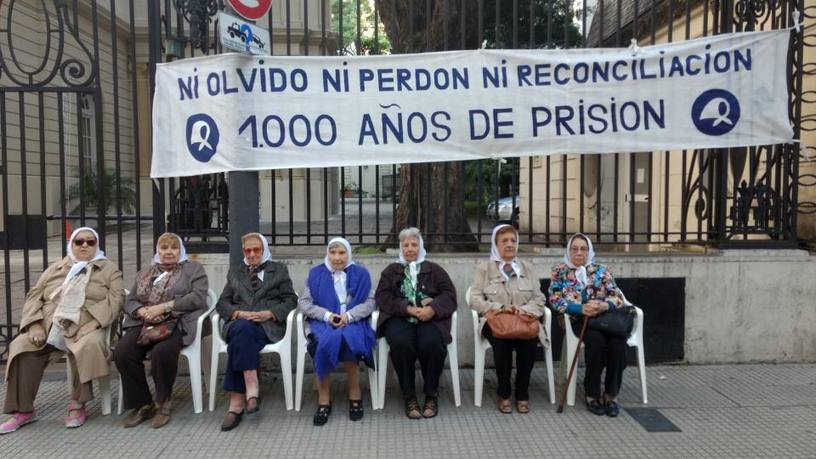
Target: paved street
719, 410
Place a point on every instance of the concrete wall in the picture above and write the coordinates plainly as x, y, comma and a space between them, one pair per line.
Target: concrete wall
741, 306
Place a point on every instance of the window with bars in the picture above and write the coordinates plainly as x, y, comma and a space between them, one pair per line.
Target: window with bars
87, 132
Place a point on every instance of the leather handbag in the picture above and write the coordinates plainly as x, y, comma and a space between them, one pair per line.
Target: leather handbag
509, 325
616, 322
157, 332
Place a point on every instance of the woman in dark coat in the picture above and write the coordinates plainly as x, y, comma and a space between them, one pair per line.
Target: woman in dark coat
416, 299
172, 286
254, 304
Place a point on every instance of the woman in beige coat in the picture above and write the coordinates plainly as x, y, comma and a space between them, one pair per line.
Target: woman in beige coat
67, 311
508, 284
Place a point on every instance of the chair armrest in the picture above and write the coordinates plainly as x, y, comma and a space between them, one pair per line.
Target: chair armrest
568, 326
374, 317
290, 321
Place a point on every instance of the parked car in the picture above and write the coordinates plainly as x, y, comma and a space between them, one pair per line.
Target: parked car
508, 209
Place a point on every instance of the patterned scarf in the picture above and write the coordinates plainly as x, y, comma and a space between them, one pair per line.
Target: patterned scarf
153, 284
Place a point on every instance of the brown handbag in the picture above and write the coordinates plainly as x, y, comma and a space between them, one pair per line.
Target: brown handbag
153, 333
509, 325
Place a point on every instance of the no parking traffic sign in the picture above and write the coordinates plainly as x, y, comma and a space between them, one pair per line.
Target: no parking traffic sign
251, 9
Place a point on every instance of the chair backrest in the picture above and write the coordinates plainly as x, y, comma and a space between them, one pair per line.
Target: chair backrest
467, 295
212, 300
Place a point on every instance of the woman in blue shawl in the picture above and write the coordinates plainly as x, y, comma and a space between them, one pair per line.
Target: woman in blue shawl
337, 301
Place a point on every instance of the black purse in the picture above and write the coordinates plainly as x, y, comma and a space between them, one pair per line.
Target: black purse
616, 322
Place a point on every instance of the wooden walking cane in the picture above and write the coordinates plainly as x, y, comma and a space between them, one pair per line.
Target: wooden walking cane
572, 367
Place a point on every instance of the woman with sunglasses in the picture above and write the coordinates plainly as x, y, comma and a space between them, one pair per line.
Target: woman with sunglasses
254, 304
581, 287
171, 291
67, 311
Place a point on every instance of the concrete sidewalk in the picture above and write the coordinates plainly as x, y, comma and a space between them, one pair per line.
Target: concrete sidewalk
719, 410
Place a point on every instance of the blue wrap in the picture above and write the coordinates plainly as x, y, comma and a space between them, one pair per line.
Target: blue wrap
358, 336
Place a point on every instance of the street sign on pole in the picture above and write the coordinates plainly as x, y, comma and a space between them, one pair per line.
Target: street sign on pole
242, 36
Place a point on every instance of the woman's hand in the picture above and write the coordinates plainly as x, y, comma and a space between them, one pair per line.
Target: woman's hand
260, 316
413, 311
152, 314
339, 320
511, 308
36, 334
425, 314
594, 307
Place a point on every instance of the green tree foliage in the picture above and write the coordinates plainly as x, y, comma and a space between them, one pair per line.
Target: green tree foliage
553, 24
88, 188
345, 14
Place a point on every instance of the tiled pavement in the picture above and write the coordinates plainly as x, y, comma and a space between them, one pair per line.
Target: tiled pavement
722, 411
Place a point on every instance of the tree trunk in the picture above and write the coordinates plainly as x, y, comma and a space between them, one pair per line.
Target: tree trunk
431, 196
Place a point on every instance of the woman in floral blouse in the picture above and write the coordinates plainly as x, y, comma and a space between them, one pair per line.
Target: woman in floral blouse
580, 287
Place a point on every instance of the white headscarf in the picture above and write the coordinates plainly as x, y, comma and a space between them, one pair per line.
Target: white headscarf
157, 259
267, 255
339, 276
580, 271
76, 265
182, 252
413, 267
495, 256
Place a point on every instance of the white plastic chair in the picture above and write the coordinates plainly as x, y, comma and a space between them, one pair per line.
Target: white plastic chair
283, 348
453, 361
103, 382
635, 340
301, 363
193, 355
481, 345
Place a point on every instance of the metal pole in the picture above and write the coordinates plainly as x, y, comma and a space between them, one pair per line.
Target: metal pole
244, 204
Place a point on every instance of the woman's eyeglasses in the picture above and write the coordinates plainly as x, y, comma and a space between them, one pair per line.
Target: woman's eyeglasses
80, 242
253, 250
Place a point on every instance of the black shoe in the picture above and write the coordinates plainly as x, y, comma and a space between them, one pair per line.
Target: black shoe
355, 410
611, 409
231, 420
253, 404
321, 416
412, 408
595, 407
431, 408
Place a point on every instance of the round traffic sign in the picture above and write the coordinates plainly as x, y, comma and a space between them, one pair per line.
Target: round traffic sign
251, 9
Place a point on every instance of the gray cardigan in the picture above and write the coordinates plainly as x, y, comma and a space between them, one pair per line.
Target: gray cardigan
275, 294
190, 294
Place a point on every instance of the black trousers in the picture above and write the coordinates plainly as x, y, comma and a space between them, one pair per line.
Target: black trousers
602, 350
129, 358
503, 359
410, 342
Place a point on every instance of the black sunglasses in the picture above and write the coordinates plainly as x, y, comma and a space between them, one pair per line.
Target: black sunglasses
80, 242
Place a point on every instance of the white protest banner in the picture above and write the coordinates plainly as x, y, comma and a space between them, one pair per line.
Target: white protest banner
235, 112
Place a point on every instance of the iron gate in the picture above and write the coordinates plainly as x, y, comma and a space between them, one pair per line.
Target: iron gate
76, 83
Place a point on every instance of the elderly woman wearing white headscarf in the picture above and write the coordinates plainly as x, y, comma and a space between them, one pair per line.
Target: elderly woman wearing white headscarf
170, 293
66, 311
416, 299
506, 283
581, 287
337, 299
254, 304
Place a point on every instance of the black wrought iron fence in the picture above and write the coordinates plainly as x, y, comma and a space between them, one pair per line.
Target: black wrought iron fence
76, 82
